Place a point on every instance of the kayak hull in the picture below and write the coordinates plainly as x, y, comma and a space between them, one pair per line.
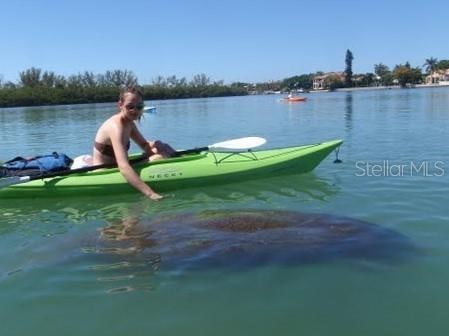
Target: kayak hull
207, 168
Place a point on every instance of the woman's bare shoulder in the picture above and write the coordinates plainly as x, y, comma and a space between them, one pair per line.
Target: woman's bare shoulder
109, 126
113, 123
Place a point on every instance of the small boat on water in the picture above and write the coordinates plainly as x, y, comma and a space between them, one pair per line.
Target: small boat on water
294, 99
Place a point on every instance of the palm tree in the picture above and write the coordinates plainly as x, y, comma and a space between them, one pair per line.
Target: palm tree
431, 64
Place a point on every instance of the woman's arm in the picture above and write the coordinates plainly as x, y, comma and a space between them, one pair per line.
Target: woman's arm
126, 170
139, 139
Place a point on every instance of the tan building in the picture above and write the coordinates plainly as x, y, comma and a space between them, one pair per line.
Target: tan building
321, 82
438, 77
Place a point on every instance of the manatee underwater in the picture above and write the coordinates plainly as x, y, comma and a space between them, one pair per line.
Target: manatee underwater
241, 239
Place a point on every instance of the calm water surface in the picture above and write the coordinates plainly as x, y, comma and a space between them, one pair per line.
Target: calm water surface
395, 173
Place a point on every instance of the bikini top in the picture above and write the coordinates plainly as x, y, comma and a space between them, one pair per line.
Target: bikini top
107, 150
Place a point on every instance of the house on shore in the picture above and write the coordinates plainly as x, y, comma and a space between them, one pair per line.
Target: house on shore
321, 82
438, 77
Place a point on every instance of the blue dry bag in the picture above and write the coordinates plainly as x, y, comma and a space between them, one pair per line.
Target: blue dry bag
44, 163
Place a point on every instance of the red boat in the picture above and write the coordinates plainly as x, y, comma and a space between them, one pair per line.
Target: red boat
294, 99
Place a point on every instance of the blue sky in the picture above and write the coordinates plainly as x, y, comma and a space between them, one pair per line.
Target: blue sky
228, 40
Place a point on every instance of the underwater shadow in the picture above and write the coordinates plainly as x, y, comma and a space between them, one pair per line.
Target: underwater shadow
243, 239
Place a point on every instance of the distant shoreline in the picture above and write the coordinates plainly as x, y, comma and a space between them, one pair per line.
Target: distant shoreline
370, 88
415, 86
365, 88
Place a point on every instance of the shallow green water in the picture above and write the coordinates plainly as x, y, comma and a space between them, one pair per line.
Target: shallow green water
53, 281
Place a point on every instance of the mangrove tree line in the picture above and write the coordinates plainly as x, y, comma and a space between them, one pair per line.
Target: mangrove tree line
37, 87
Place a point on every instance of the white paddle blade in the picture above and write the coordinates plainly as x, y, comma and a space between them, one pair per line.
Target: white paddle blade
149, 109
241, 143
9, 181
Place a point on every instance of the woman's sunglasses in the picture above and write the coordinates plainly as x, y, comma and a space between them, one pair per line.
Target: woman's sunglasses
135, 107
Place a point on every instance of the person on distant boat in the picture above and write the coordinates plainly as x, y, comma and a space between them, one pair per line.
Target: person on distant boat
112, 140
290, 95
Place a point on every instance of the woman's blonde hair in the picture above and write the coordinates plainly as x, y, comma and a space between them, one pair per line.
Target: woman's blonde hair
135, 89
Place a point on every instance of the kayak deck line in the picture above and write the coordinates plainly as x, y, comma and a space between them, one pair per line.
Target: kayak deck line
243, 154
211, 167
255, 157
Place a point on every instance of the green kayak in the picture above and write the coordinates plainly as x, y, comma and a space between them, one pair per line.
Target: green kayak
205, 168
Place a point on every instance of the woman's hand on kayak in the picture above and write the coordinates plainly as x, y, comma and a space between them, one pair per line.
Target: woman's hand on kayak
161, 148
